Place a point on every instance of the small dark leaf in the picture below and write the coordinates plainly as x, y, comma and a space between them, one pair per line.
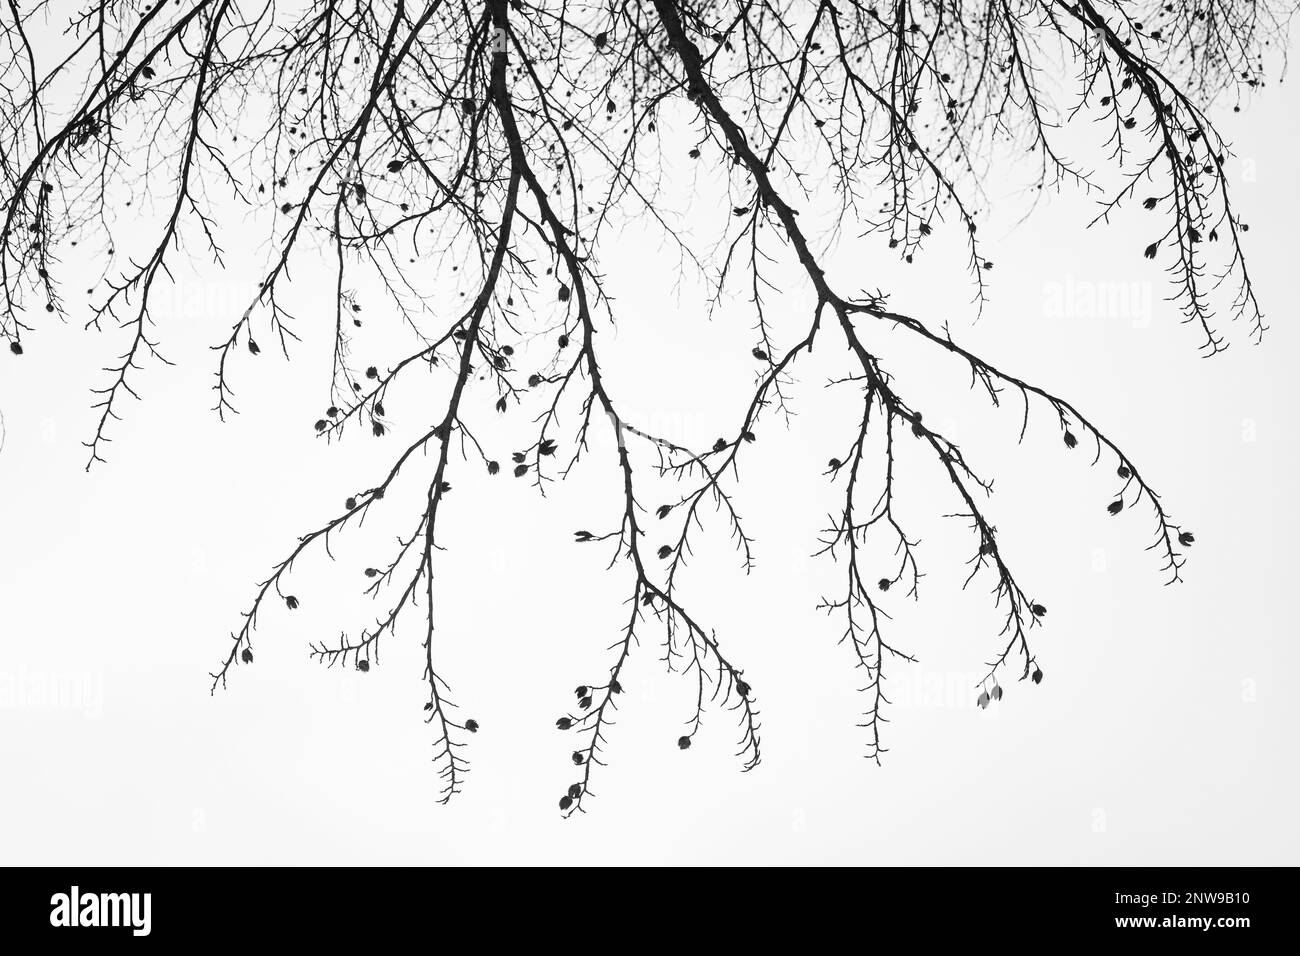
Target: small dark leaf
566, 801
471, 725
662, 510
521, 470
1186, 539
395, 166
615, 687
1038, 610
291, 602
683, 743
665, 551
1123, 472
1036, 676
246, 655
493, 467
563, 293
759, 354
883, 584
564, 723
363, 665
1115, 507
1070, 440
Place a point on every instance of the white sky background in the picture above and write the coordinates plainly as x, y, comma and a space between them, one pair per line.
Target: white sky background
1162, 732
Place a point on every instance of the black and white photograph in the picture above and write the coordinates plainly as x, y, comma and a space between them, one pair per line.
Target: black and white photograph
667, 433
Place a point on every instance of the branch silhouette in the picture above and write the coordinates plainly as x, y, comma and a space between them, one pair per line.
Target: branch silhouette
502, 141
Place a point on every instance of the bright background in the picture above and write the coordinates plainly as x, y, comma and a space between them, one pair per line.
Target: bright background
1163, 731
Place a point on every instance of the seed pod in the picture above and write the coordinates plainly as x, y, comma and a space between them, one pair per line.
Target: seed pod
834, 464
759, 354
1186, 539
615, 687
577, 759
742, 688
1038, 610
983, 700
563, 341
585, 703
363, 665
493, 467
883, 584
1123, 472
471, 725
563, 293
321, 425
246, 655
254, 347
291, 602
521, 470
1036, 676
662, 510
684, 743
565, 802
665, 551
395, 166
16, 347
1116, 506
575, 790
997, 691
1070, 440
564, 723
350, 503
